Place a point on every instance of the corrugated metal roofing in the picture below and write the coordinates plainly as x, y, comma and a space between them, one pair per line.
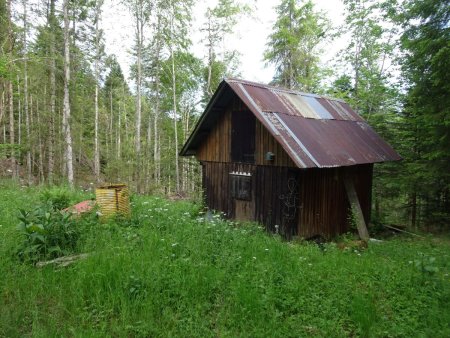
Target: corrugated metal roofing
315, 131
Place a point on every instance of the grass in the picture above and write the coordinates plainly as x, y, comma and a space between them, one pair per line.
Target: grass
169, 272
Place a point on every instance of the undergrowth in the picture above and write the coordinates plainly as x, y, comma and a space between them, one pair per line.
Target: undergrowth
170, 271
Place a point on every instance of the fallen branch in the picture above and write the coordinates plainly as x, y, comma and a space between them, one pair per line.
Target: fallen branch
397, 229
62, 261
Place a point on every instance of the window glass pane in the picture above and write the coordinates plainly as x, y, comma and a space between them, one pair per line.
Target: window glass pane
241, 187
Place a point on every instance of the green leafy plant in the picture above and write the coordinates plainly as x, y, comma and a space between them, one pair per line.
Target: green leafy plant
59, 198
48, 233
426, 264
136, 287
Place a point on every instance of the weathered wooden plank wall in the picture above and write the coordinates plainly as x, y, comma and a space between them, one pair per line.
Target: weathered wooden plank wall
265, 142
217, 144
324, 206
297, 202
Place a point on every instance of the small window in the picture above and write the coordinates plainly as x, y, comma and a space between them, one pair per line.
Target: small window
241, 186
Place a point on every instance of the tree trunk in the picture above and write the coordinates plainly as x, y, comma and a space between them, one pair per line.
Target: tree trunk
119, 124
175, 120
10, 90
139, 42
25, 94
97, 80
11, 129
51, 136
174, 98
210, 56
156, 145
414, 211
148, 151
19, 112
66, 113
111, 123
2, 101
40, 147
96, 146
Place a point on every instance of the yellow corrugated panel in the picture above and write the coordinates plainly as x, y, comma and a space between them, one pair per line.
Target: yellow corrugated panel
113, 199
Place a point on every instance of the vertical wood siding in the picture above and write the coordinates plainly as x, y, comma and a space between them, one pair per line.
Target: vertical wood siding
297, 202
216, 146
265, 142
324, 206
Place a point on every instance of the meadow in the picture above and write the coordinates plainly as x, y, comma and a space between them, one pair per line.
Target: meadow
171, 271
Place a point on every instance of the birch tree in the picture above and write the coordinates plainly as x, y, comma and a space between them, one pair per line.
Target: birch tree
177, 37
3, 63
9, 47
97, 60
25, 91
140, 10
156, 66
220, 21
52, 26
68, 153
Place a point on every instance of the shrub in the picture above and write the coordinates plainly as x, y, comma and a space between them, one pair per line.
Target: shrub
48, 233
58, 198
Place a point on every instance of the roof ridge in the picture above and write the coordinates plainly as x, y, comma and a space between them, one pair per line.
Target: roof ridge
280, 89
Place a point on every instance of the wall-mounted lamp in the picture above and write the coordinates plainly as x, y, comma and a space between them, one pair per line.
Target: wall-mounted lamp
270, 156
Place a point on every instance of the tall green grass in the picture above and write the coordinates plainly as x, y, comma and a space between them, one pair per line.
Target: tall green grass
170, 272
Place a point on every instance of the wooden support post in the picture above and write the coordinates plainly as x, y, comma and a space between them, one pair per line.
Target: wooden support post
356, 208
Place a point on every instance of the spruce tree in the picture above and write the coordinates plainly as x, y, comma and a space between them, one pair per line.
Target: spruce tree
293, 46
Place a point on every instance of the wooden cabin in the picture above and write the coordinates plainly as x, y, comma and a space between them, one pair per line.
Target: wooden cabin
285, 159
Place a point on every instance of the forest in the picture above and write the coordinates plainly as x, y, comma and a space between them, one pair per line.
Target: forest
69, 115
75, 116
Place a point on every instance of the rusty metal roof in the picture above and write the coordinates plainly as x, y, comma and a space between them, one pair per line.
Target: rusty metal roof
315, 131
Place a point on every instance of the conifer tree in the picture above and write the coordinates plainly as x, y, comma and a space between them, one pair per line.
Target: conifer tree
425, 66
293, 46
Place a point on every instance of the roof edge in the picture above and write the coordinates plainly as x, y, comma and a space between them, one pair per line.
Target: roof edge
280, 89
185, 150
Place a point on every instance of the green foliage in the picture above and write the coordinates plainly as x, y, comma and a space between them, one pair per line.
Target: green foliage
171, 271
220, 21
293, 45
426, 264
425, 43
7, 149
48, 233
61, 197
364, 313
58, 198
